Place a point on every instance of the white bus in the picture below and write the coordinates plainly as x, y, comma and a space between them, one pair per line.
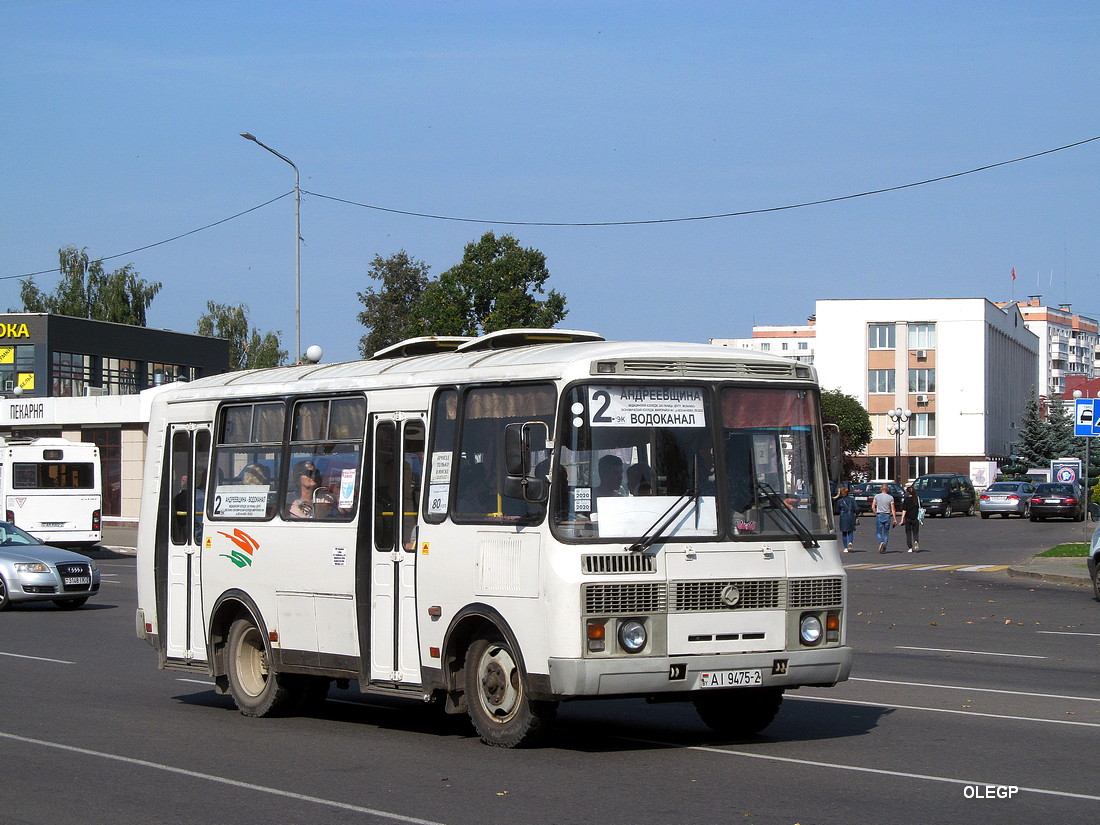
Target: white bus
53, 489
498, 524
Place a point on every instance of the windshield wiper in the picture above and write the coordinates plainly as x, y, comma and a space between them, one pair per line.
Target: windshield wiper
806, 537
658, 528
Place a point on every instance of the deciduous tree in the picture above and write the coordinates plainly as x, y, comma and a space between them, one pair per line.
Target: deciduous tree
248, 348
853, 422
389, 311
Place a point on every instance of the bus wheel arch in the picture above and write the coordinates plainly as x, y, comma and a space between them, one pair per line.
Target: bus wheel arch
487, 679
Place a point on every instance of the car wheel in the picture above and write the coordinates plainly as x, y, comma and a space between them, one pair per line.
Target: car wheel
970, 511
1096, 584
1033, 518
70, 604
496, 696
948, 512
5, 599
1027, 511
985, 515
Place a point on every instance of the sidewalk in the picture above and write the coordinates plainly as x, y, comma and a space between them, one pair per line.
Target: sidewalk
1057, 571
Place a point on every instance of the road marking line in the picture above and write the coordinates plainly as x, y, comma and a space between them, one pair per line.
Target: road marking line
1006, 717
974, 689
989, 568
972, 652
1066, 633
144, 763
37, 658
790, 760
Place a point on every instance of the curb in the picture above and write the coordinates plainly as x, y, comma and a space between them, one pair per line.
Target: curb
1053, 578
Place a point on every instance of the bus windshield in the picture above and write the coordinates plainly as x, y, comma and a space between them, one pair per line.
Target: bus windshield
749, 456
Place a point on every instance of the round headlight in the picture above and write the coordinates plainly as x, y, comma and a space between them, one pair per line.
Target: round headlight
810, 629
632, 635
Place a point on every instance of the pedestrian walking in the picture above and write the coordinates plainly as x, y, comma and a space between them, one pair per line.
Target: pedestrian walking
886, 516
847, 510
911, 516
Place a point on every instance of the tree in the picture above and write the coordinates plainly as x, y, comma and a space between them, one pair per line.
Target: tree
1035, 448
87, 291
249, 349
389, 313
853, 422
493, 288
1063, 443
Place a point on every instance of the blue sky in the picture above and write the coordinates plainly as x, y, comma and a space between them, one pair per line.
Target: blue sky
121, 121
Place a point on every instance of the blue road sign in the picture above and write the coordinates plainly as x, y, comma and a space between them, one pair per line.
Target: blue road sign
1085, 417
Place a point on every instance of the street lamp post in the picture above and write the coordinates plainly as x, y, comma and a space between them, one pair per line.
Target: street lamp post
297, 245
898, 417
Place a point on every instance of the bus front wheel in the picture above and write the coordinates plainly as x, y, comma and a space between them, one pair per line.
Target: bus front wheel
741, 712
497, 700
256, 689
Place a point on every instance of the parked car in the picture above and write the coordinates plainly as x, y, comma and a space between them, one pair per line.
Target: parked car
1056, 498
864, 493
1006, 498
1094, 562
944, 494
31, 571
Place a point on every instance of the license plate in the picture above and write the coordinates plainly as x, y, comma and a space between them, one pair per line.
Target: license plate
71, 580
1054, 501
730, 678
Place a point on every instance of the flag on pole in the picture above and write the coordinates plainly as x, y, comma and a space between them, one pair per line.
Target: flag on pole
1014, 273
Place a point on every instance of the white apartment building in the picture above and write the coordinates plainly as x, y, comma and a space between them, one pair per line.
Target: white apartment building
796, 342
962, 367
1069, 344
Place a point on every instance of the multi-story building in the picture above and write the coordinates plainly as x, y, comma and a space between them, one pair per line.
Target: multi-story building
1070, 344
81, 380
796, 342
961, 369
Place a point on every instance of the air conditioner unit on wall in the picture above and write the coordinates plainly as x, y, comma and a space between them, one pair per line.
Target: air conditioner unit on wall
922, 355
922, 399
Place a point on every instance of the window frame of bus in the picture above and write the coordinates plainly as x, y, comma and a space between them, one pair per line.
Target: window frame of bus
456, 413
223, 446
322, 436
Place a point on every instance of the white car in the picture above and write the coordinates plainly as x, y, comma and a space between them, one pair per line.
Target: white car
31, 571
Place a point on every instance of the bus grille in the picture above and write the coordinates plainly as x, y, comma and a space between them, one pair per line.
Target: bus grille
750, 595
705, 368
816, 592
619, 563
710, 596
625, 599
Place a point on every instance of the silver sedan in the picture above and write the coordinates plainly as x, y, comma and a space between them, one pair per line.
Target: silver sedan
1006, 498
33, 571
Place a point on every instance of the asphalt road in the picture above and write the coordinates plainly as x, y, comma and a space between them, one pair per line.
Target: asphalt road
975, 698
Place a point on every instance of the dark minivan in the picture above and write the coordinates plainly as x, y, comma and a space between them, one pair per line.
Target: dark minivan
944, 494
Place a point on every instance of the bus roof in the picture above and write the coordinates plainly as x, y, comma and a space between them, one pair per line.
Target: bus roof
507, 354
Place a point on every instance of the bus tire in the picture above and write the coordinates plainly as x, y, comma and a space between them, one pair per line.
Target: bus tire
738, 713
496, 697
256, 689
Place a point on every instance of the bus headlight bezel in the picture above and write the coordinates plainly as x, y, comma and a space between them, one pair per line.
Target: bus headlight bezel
811, 632
632, 635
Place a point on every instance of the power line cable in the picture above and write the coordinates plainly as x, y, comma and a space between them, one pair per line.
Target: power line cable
709, 217
159, 243
717, 216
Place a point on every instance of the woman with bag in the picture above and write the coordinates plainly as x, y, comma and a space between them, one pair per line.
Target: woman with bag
846, 508
911, 516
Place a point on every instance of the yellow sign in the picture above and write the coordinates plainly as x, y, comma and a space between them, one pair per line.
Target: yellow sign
14, 331
7, 355
26, 380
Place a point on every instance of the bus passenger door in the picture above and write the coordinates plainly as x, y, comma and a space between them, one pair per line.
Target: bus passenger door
398, 458
188, 461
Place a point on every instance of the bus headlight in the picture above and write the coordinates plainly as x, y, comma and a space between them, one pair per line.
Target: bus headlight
632, 635
810, 630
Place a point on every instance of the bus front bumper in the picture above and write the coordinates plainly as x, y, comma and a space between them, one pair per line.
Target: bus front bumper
681, 674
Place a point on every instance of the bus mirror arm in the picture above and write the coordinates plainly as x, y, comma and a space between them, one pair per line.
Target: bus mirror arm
804, 535
658, 528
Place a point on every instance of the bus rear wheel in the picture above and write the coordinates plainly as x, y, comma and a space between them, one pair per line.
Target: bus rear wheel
496, 696
739, 712
257, 690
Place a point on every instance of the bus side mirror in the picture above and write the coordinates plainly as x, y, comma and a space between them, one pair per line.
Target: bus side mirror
521, 442
834, 451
